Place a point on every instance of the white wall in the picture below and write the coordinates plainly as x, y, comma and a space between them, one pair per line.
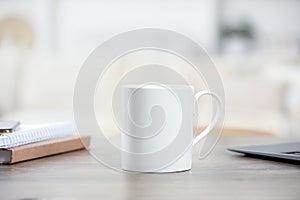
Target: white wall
68, 26
85, 24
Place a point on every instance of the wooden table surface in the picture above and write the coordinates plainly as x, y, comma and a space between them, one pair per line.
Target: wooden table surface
223, 175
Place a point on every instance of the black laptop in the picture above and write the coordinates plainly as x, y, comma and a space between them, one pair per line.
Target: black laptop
287, 152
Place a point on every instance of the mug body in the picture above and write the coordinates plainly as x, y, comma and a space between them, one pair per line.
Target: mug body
157, 128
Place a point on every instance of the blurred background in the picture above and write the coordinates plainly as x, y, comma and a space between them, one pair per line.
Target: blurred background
254, 44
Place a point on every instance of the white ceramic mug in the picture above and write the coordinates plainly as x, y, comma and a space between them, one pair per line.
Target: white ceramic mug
157, 127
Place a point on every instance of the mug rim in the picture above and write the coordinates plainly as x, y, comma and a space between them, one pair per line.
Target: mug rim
162, 86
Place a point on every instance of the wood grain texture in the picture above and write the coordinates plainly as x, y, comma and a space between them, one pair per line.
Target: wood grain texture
222, 175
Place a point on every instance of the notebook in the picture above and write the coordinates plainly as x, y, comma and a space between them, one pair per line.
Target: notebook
31, 134
42, 149
31, 142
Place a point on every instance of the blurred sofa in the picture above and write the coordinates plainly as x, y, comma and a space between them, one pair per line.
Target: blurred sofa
39, 89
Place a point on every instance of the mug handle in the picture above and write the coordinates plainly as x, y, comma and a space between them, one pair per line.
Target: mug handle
215, 119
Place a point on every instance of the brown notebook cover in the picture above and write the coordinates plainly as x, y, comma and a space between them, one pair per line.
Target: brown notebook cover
41, 149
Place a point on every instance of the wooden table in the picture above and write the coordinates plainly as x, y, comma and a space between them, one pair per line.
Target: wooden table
223, 175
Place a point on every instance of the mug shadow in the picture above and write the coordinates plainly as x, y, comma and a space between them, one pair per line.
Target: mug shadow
154, 185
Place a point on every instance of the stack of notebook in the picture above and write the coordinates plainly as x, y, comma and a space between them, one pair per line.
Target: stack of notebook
35, 142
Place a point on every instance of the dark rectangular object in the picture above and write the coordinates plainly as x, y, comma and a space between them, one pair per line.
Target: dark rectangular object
281, 152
